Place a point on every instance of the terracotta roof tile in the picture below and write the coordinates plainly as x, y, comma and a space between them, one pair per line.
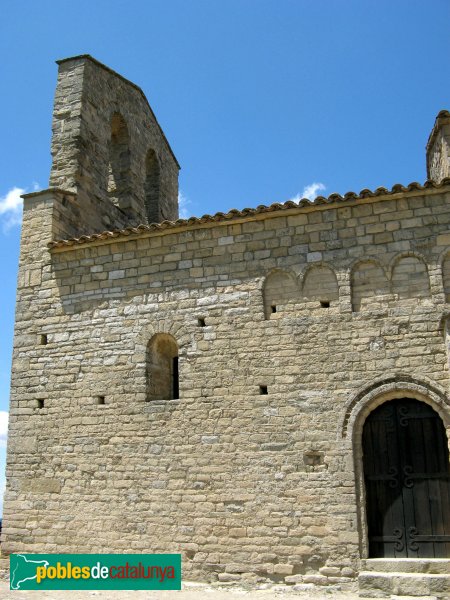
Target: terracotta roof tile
236, 214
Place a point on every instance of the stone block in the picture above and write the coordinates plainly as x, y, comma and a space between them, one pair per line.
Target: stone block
41, 485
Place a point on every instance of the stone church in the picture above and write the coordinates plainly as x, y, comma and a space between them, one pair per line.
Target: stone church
265, 391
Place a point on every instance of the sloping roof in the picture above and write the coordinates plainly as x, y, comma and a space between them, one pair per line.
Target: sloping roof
234, 213
128, 82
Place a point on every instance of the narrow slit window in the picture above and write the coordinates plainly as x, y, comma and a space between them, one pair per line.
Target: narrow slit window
175, 379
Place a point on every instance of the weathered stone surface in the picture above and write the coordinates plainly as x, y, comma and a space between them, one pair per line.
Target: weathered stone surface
382, 585
227, 577
285, 328
105, 141
405, 565
330, 571
281, 569
316, 579
41, 485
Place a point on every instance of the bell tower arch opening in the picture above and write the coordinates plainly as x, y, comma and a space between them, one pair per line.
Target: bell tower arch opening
152, 187
102, 128
119, 162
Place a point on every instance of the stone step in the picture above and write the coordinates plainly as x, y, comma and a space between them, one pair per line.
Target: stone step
413, 597
407, 565
374, 584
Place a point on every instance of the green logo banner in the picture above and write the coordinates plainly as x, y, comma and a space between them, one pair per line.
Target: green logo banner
95, 572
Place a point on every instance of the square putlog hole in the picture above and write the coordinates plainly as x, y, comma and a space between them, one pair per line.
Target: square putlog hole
313, 459
263, 390
101, 400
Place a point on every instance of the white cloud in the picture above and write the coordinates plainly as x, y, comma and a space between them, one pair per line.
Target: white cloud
12, 201
183, 206
3, 427
11, 208
310, 191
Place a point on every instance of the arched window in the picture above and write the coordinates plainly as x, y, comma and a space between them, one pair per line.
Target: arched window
369, 285
321, 286
279, 289
152, 187
119, 162
410, 278
162, 368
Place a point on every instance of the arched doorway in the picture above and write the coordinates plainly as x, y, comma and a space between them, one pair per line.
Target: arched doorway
407, 481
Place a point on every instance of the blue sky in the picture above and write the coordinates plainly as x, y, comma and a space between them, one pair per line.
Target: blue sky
260, 99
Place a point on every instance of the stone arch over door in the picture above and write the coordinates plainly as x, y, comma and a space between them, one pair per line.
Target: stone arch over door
401, 473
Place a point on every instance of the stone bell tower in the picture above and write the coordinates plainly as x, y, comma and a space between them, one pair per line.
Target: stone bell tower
109, 149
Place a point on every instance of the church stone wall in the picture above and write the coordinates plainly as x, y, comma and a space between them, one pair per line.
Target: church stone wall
199, 386
247, 472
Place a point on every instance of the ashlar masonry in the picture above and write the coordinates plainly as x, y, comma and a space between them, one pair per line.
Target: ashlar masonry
265, 391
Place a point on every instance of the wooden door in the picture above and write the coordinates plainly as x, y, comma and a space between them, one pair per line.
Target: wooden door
407, 479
